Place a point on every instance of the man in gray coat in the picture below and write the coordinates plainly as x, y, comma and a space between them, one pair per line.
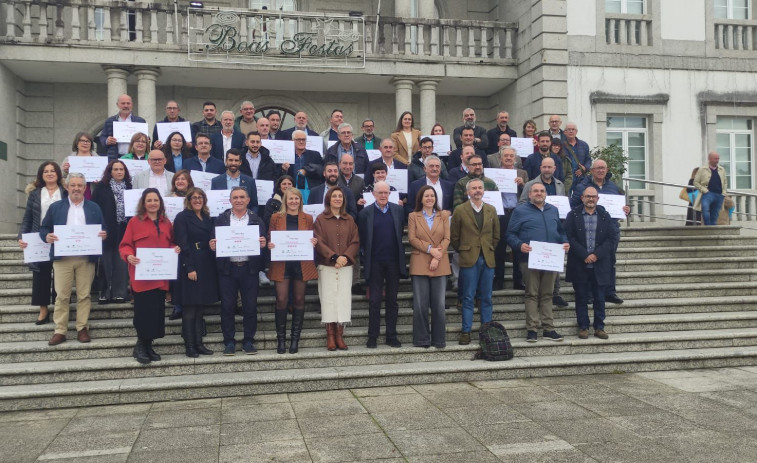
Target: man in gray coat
156, 176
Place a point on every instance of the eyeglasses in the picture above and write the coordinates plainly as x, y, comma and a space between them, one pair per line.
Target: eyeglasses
300, 139
196, 198
84, 140
157, 160
591, 196
172, 108
345, 133
478, 164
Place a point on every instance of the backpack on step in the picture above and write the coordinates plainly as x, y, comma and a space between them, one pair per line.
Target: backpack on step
495, 343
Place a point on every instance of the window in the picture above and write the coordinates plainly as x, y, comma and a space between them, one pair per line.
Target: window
99, 24
630, 133
625, 6
732, 9
734, 145
274, 5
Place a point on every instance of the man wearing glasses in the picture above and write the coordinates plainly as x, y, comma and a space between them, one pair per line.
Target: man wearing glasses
346, 145
368, 139
172, 115
308, 164
416, 168
156, 176
475, 170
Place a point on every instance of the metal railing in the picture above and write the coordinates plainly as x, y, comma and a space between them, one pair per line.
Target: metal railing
646, 205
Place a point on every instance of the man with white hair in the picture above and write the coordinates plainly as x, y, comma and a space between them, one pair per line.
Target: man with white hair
227, 139
480, 140
577, 151
346, 145
245, 122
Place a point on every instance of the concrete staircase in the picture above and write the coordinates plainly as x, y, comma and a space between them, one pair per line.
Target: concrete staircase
676, 316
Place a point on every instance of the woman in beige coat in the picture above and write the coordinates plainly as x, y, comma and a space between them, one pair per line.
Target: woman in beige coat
407, 139
428, 233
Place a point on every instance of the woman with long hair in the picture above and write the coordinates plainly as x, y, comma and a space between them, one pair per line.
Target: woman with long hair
428, 233
138, 147
274, 203
437, 129
83, 145
109, 195
150, 228
198, 287
176, 151
290, 273
336, 251
566, 167
46, 189
407, 139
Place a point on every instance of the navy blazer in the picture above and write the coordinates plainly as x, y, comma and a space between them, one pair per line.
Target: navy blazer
216, 142
219, 183
604, 246
213, 166
532, 166
455, 158
267, 169
112, 150
312, 163
360, 155
448, 189
318, 195
287, 134
365, 228
57, 214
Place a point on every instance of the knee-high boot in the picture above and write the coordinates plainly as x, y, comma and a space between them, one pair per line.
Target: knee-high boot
140, 352
199, 333
330, 334
281, 330
298, 315
188, 332
154, 357
339, 339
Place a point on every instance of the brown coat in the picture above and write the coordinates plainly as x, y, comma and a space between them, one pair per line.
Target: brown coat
470, 241
402, 152
336, 236
276, 269
420, 237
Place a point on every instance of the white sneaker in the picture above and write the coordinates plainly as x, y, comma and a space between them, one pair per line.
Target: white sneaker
263, 279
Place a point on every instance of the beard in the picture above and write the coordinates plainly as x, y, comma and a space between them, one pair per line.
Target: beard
469, 124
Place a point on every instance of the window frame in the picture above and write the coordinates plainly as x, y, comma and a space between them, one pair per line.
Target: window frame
731, 173
625, 131
730, 9
624, 7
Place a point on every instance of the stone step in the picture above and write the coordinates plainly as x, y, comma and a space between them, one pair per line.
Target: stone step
175, 363
666, 241
701, 252
208, 385
686, 263
643, 230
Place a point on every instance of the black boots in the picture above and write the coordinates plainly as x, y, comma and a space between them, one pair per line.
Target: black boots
199, 333
140, 352
189, 333
154, 357
281, 330
298, 315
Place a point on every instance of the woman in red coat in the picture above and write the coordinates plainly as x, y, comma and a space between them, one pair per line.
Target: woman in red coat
150, 228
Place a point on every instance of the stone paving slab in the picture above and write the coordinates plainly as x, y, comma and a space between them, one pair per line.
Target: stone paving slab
691, 415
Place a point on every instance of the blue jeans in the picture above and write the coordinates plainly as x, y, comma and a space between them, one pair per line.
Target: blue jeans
477, 279
712, 203
582, 307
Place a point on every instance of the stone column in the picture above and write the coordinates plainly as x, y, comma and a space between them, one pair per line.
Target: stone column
116, 86
402, 9
146, 78
403, 94
428, 105
426, 9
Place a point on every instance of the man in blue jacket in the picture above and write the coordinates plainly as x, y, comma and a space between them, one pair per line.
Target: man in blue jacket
233, 177
74, 211
114, 149
537, 221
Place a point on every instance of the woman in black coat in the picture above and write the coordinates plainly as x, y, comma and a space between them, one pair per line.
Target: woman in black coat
109, 195
45, 190
198, 285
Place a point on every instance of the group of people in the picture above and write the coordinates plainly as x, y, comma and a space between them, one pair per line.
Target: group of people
358, 234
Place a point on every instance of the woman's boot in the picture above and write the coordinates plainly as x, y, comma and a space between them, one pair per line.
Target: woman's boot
281, 331
199, 327
188, 332
330, 334
297, 318
140, 353
339, 339
154, 357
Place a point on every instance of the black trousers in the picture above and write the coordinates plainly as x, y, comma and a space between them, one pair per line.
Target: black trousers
384, 276
150, 314
500, 252
43, 291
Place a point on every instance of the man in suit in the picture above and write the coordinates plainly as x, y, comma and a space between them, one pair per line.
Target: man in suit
416, 168
331, 179
432, 167
509, 203
300, 123
227, 138
114, 149
156, 176
257, 163
387, 159
74, 211
346, 145
233, 178
383, 255
466, 139
274, 118
172, 115
537, 221
308, 164
368, 139
533, 161
239, 275
592, 236
204, 162
493, 135
469, 122
474, 233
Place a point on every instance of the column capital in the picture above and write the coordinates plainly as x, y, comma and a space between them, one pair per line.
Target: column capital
149, 73
427, 84
115, 72
402, 83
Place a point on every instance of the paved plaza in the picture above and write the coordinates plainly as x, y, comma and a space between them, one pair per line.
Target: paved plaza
691, 415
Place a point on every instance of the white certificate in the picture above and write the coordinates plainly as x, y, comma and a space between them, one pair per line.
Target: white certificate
494, 198
78, 240
292, 245
134, 166
218, 201
614, 205
156, 264
123, 131
167, 128
504, 178
561, 203
174, 205
546, 256
398, 179
265, 191
330, 143
313, 209
202, 179
441, 144
373, 154
281, 151
523, 146
131, 199
315, 143
239, 241
394, 197
92, 167
36, 249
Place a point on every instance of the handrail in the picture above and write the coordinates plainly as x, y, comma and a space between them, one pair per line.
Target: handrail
655, 182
